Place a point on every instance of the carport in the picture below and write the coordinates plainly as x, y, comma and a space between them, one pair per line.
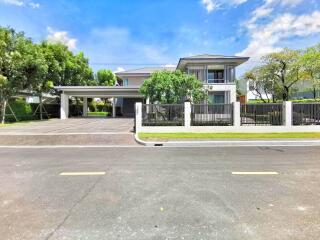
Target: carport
85, 92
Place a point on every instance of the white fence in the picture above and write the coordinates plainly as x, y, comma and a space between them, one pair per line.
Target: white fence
279, 119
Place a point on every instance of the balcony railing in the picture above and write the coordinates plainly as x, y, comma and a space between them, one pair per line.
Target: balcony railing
216, 81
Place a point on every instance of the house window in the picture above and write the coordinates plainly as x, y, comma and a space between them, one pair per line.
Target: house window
230, 74
217, 98
125, 82
215, 76
199, 73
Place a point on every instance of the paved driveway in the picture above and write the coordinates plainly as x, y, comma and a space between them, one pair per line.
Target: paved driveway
73, 131
72, 125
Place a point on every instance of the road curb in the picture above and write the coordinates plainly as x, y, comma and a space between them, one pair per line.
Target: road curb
228, 143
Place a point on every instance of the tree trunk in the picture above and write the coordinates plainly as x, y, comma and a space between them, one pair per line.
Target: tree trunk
3, 110
285, 94
314, 93
41, 106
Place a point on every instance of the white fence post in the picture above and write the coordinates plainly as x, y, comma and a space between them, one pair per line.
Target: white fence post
187, 114
64, 106
236, 114
287, 113
138, 116
85, 107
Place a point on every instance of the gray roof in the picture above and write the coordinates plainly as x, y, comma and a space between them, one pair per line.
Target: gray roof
145, 71
211, 58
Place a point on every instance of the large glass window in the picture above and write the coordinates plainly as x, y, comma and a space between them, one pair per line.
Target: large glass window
199, 73
215, 76
216, 98
230, 74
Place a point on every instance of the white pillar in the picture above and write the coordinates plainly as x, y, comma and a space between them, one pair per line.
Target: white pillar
233, 94
85, 107
114, 107
187, 114
64, 106
236, 114
138, 118
287, 114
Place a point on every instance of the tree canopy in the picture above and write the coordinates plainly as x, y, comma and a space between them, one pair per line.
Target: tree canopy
281, 71
173, 87
106, 77
25, 65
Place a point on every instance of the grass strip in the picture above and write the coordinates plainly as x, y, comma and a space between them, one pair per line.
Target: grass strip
146, 136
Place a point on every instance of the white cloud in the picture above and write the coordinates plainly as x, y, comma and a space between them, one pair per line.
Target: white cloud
266, 38
62, 37
290, 3
21, 3
119, 69
13, 2
34, 5
212, 5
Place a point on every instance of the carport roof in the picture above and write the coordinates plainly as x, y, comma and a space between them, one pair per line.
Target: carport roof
100, 91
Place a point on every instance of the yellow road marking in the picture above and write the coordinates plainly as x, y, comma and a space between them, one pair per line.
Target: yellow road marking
81, 173
255, 173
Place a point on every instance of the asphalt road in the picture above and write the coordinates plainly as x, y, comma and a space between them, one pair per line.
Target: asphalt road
160, 193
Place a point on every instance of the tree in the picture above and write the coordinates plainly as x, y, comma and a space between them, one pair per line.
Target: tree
261, 83
65, 68
21, 65
284, 70
173, 87
106, 77
310, 62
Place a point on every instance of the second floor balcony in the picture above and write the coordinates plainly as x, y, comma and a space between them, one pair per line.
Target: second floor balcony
213, 74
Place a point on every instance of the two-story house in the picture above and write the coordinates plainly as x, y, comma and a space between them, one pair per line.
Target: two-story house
217, 73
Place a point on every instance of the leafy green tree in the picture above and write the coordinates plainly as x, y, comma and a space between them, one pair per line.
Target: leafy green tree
106, 77
284, 70
173, 87
261, 83
310, 62
65, 68
22, 65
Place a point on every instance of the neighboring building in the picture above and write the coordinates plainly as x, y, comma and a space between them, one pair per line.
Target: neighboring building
300, 90
217, 73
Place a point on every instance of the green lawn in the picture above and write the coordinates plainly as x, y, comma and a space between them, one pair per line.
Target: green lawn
98, 114
163, 136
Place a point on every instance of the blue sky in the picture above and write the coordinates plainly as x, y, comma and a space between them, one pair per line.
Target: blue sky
124, 34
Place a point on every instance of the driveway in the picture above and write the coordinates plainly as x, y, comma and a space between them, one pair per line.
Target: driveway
73, 131
160, 193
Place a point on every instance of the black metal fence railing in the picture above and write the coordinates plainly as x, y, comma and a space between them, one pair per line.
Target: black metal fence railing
306, 113
212, 115
162, 114
261, 114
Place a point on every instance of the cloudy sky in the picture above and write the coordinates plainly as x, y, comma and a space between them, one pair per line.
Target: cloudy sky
124, 34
